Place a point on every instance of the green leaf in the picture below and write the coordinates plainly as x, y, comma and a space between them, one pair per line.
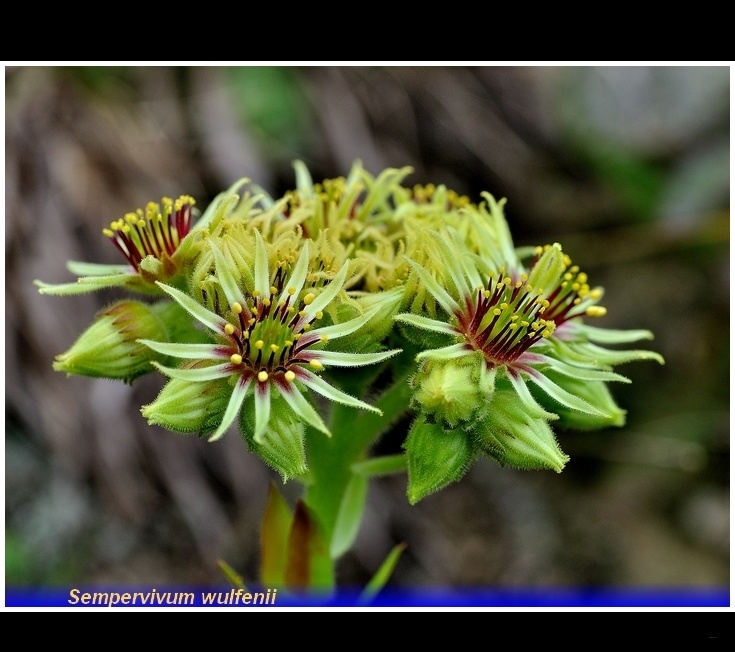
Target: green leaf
382, 575
274, 536
309, 564
349, 516
232, 576
436, 458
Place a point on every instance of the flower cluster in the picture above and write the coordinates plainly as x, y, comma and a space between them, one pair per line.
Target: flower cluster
266, 309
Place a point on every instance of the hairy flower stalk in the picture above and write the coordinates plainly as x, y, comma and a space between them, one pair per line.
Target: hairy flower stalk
269, 343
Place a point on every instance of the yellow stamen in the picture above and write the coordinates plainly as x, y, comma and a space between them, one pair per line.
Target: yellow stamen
315, 364
596, 311
229, 329
309, 298
290, 376
236, 308
262, 376
259, 344
236, 358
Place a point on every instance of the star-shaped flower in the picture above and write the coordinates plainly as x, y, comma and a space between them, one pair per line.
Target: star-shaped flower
267, 341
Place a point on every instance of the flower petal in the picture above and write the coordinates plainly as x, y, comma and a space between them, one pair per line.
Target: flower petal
197, 374
298, 275
321, 386
302, 408
611, 336
233, 407
440, 294
209, 319
340, 330
227, 281
96, 269
426, 323
191, 351
446, 353
262, 274
563, 396
327, 294
342, 359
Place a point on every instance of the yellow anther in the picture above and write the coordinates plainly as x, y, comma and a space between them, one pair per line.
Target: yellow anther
486, 294
315, 364
519, 284
577, 301
582, 277
256, 293
251, 321
262, 376
546, 333
297, 336
246, 335
229, 329
307, 327
324, 339
507, 280
319, 314
538, 251
236, 358
125, 229
292, 291
290, 376
108, 232
141, 224
503, 306
259, 344
524, 323
596, 311
496, 312
274, 289
595, 294
236, 308
309, 298
514, 318
568, 276
266, 302
575, 287
274, 348
288, 343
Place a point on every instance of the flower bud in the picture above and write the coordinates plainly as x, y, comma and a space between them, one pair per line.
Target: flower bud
449, 391
436, 457
109, 347
515, 438
187, 407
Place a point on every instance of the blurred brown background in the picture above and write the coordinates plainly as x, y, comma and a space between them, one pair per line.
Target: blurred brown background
627, 167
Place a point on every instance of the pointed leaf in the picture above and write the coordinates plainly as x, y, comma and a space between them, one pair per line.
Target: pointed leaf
349, 516
381, 577
274, 534
309, 565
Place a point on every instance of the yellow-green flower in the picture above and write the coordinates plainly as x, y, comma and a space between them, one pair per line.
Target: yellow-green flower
268, 342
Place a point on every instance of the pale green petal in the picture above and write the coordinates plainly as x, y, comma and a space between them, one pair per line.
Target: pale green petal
298, 275
209, 319
96, 269
262, 274
233, 408
196, 374
445, 353
611, 336
533, 408
220, 205
585, 373
340, 330
262, 410
86, 284
426, 323
319, 385
304, 184
342, 359
227, 281
607, 356
302, 408
190, 351
440, 294
328, 293
563, 396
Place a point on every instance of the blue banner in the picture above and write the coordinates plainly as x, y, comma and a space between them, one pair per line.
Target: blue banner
116, 597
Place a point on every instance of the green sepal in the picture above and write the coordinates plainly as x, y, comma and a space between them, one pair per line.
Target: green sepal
512, 437
189, 407
282, 446
436, 457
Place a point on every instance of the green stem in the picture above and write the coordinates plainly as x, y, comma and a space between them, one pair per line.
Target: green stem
331, 458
